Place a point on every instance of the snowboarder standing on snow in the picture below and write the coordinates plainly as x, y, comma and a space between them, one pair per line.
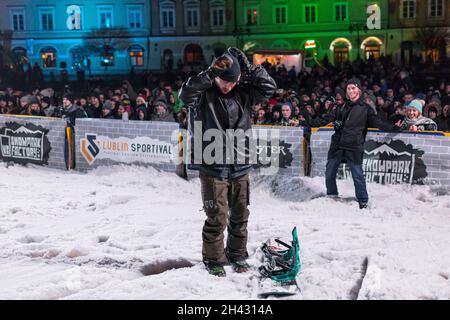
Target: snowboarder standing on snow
221, 98
347, 143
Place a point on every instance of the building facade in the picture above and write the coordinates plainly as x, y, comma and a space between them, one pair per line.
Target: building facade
419, 29
342, 30
77, 35
116, 35
190, 33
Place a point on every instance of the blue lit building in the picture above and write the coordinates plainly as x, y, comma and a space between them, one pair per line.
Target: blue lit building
157, 35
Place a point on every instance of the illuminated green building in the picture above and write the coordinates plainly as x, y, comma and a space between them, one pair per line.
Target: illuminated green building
340, 29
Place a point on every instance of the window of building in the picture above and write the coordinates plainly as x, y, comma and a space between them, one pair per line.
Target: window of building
218, 17
408, 9
17, 18
280, 14
340, 10
310, 13
20, 55
167, 15
135, 17
251, 15
436, 8
193, 54
107, 57
136, 54
105, 16
78, 58
47, 18
192, 15
48, 56
217, 14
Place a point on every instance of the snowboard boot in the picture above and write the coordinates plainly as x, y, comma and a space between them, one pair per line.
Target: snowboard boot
240, 266
363, 204
216, 270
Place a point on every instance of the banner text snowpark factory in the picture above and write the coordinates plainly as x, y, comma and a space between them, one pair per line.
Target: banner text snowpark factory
29, 147
387, 171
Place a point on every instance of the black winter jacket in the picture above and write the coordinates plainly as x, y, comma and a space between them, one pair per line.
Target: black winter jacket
218, 111
355, 118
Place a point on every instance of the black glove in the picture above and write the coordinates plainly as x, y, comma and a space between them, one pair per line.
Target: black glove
219, 66
242, 58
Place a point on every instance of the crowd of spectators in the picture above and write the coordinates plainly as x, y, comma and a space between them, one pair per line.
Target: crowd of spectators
397, 93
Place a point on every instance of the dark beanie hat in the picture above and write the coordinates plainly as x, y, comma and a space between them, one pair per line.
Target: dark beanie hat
70, 97
355, 81
46, 100
233, 72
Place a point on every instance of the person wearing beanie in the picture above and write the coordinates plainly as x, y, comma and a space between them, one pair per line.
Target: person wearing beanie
161, 112
47, 107
108, 110
275, 115
414, 120
71, 111
34, 109
351, 122
434, 115
221, 98
94, 108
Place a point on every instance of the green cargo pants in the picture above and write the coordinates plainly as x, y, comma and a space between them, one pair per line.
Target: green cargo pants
225, 202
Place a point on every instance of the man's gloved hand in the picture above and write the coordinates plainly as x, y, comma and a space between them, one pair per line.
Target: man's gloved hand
219, 66
242, 58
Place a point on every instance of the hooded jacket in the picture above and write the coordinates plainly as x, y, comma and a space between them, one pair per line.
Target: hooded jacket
215, 110
144, 109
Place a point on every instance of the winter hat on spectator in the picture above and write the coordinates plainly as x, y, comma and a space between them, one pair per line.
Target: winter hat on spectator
45, 93
421, 96
46, 100
27, 99
416, 104
288, 103
330, 98
94, 95
296, 100
160, 102
125, 102
354, 81
70, 97
272, 101
432, 109
108, 105
340, 91
433, 105
277, 108
435, 97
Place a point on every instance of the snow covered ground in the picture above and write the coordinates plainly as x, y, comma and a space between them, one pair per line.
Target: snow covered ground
87, 236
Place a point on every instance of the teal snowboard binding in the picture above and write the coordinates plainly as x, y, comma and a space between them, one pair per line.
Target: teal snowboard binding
281, 264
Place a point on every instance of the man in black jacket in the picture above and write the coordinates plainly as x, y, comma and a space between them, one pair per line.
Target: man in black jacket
71, 110
347, 143
220, 98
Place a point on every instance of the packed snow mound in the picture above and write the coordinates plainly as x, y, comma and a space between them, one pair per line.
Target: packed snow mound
125, 232
284, 187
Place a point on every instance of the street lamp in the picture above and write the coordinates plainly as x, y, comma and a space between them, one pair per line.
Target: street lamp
358, 27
